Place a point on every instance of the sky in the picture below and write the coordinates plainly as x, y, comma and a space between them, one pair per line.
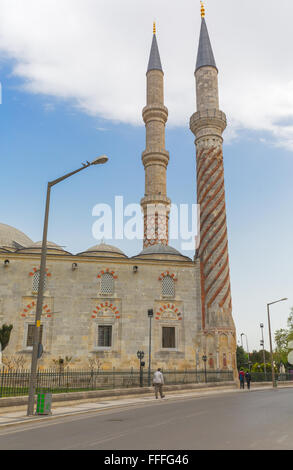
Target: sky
73, 87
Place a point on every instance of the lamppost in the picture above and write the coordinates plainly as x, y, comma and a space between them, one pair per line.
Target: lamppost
35, 355
150, 315
140, 355
270, 336
204, 358
243, 334
262, 343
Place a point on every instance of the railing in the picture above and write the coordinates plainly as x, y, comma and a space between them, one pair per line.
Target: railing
16, 383
262, 377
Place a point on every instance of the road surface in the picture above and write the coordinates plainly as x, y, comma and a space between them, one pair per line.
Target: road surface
235, 420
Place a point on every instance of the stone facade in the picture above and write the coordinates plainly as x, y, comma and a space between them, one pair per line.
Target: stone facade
75, 306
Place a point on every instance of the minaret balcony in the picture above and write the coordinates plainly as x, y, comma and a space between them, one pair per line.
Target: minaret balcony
155, 113
155, 199
210, 118
155, 155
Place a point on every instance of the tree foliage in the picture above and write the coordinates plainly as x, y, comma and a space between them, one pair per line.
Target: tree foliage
241, 356
282, 338
257, 356
5, 332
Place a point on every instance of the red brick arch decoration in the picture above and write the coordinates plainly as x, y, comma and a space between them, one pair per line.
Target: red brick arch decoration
168, 307
107, 271
33, 304
167, 273
107, 305
35, 270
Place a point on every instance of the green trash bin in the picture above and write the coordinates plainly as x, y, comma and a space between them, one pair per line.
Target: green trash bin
44, 402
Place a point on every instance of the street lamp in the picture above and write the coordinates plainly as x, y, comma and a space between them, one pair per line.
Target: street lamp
262, 343
243, 334
270, 336
35, 355
150, 315
140, 355
204, 358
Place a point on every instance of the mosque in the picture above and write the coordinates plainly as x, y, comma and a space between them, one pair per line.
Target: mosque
96, 302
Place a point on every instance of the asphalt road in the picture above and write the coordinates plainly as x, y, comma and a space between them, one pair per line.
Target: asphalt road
256, 420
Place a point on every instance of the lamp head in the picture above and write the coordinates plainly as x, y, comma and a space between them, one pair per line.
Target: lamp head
100, 160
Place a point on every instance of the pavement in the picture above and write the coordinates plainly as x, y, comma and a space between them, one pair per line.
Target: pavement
17, 417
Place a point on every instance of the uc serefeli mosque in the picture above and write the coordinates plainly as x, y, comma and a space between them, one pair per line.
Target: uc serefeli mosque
96, 302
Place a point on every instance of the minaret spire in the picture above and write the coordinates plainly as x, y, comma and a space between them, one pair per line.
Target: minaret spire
155, 60
155, 158
208, 124
205, 55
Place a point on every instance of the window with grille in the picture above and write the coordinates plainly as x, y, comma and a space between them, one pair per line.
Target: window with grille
36, 280
105, 336
168, 337
30, 335
168, 287
107, 284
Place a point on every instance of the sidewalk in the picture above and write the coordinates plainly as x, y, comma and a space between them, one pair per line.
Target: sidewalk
9, 418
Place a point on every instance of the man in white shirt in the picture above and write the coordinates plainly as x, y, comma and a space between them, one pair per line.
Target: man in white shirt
158, 382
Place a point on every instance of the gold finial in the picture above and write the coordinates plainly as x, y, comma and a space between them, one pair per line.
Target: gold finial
154, 27
202, 10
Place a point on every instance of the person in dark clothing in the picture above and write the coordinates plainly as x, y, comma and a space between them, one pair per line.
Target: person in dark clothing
241, 378
248, 379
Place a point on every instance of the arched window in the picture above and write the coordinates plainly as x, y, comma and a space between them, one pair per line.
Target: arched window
107, 284
36, 279
168, 287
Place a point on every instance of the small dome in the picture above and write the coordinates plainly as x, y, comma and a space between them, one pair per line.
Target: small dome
11, 238
161, 251
37, 248
104, 250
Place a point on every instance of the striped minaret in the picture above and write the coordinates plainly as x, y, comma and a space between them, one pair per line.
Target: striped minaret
208, 124
155, 158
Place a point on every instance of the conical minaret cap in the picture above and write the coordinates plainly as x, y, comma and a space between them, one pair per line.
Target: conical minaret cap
205, 56
155, 60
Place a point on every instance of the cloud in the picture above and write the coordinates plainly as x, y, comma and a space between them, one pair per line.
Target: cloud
94, 53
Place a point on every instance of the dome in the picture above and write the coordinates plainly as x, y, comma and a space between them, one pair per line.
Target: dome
160, 252
52, 248
104, 250
13, 239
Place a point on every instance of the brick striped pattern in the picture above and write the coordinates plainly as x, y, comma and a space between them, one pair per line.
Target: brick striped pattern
213, 250
156, 230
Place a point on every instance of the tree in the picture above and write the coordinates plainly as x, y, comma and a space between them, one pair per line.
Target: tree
282, 337
257, 356
241, 357
5, 332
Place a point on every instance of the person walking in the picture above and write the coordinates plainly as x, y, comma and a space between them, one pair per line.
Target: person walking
248, 379
241, 378
158, 382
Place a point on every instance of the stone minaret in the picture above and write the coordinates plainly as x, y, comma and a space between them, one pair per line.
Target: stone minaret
208, 124
155, 158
